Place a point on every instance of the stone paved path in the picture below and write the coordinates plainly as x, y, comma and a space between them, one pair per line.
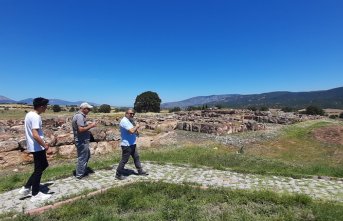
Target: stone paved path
69, 187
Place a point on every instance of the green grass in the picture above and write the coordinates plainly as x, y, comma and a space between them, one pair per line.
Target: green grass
161, 201
295, 153
58, 171
212, 156
221, 158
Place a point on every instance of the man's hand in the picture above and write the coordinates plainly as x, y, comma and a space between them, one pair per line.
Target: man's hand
48, 150
91, 125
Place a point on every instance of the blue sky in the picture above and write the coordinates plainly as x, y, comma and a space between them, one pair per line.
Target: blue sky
111, 51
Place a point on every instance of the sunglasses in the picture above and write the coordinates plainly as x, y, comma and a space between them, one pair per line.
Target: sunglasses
133, 114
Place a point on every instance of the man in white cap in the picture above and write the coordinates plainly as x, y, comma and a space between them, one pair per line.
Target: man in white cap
81, 138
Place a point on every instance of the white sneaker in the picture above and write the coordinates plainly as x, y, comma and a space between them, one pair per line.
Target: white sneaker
25, 191
40, 197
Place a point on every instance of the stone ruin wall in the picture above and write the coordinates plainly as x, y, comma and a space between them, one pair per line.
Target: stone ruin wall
221, 122
58, 132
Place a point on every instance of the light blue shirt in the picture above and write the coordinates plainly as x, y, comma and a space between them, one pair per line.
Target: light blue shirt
127, 139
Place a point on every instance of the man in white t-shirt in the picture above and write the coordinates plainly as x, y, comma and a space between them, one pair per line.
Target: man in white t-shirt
37, 147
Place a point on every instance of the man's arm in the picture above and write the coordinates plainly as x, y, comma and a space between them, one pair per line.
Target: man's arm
134, 129
38, 139
84, 129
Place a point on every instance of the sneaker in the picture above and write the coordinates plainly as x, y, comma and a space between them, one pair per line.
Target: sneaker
120, 176
141, 172
40, 197
25, 191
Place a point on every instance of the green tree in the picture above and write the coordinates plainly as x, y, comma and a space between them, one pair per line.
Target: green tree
192, 108
175, 109
72, 109
252, 108
95, 109
56, 108
104, 108
314, 110
148, 102
287, 109
341, 115
264, 108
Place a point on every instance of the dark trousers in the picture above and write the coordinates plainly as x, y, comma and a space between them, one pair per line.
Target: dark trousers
40, 164
128, 151
83, 156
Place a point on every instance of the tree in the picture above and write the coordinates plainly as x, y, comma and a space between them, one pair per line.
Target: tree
56, 108
341, 115
175, 109
287, 109
72, 109
104, 108
148, 102
95, 109
264, 108
314, 110
252, 108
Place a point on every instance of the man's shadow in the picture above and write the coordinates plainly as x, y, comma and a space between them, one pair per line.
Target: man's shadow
88, 171
128, 172
44, 188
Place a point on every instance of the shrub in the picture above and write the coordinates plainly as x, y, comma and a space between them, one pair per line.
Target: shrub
314, 110
341, 115
95, 109
333, 116
56, 108
263, 108
287, 109
105, 108
192, 108
252, 108
148, 102
175, 109
72, 109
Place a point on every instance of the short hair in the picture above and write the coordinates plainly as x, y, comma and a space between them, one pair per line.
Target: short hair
130, 109
40, 101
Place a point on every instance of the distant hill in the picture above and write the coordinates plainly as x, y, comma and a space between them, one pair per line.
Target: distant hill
5, 100
332, 98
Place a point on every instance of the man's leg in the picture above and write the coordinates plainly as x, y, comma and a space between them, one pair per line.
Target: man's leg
126, 152
135, 156
83, 154
40, 164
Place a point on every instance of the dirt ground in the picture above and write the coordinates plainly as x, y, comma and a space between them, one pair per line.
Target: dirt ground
331, 134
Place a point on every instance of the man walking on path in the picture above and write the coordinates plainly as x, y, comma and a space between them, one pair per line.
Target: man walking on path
129, 133
37, 147
82, 138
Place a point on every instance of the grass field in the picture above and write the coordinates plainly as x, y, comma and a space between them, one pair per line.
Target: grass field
161, 201
298, 145
294, 153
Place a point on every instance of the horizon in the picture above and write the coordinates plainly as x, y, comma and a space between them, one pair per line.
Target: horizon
171, 101
110, 52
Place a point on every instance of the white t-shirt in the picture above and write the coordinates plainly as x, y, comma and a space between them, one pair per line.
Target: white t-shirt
33, 121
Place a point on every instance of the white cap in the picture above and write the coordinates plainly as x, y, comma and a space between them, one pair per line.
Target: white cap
86, 105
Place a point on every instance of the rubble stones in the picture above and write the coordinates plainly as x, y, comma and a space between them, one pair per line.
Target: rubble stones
214, 124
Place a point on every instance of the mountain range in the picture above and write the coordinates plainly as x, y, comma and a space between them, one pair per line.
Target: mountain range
5, 100
332, 98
